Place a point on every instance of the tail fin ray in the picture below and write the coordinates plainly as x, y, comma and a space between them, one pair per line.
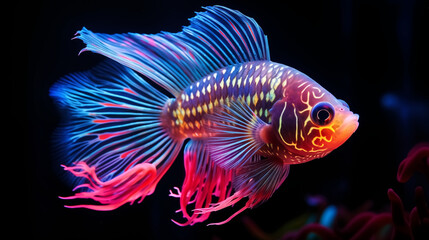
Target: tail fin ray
112, 133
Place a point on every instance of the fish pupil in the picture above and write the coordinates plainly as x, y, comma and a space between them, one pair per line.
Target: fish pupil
322, 113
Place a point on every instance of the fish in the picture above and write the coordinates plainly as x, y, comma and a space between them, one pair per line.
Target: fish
243, 119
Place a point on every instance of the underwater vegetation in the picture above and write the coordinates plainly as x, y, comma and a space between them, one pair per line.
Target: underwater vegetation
398, 223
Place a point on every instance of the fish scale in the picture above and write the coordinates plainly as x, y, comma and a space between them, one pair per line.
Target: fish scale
257, 83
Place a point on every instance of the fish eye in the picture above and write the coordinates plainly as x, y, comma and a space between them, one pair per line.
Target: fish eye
322, 113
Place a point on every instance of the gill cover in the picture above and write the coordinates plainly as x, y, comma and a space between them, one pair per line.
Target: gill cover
287, 124
304, 130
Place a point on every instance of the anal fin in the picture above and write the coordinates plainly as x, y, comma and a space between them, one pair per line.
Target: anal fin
204, 182
257, 181
261, 178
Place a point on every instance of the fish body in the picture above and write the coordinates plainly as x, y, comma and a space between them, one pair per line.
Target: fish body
259, 84
247, 118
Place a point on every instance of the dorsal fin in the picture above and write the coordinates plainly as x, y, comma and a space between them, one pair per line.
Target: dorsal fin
216, 38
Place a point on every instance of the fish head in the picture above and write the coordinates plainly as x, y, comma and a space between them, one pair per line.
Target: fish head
309, 122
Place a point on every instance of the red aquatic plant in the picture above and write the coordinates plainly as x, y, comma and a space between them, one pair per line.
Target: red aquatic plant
416, 223
419, 216
413, 225
416, 161
365, 225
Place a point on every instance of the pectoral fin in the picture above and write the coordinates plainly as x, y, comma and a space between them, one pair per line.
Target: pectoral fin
236, 135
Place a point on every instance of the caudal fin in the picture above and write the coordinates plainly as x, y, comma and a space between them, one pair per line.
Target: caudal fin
111, 140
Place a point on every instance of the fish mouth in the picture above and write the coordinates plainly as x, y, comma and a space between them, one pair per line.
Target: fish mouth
347, 128
353, 120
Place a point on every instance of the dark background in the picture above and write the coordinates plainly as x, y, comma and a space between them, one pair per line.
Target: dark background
372, 54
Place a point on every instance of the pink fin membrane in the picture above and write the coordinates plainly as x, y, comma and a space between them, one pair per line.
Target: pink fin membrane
203, 184
137, 182
230, 201
209, 188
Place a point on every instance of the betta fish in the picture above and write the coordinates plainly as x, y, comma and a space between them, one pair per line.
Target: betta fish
242, 118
